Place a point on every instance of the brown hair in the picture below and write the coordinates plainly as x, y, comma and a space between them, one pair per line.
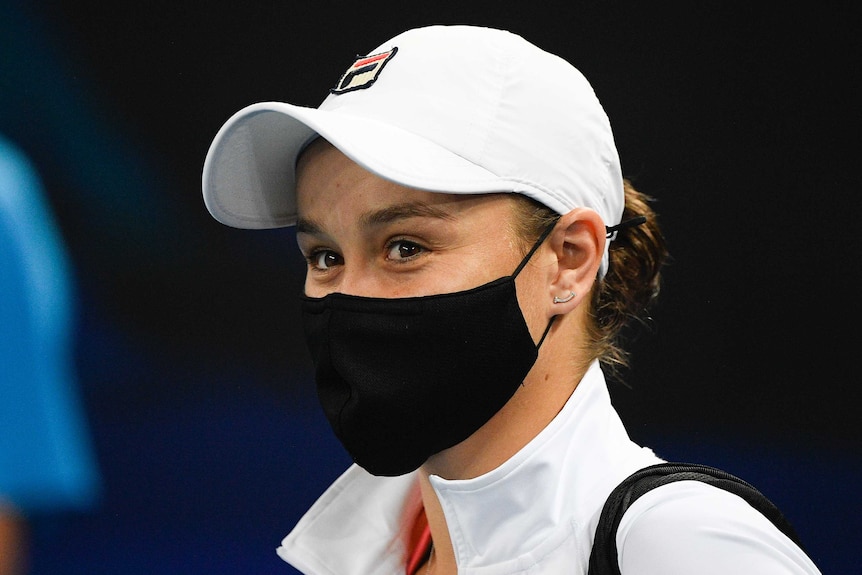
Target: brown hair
629, 290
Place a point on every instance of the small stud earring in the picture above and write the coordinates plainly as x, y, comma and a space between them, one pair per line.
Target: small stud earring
564, 299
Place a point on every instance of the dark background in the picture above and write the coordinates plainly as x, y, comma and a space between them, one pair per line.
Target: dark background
742, 120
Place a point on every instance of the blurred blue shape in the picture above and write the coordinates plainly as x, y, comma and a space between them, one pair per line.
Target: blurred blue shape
46, 460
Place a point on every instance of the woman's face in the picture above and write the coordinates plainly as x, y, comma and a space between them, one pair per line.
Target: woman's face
366, 236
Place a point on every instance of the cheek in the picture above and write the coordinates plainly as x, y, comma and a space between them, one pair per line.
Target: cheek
309, 288
306, 287
463, 275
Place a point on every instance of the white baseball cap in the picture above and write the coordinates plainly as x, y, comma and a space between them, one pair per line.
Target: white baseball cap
452, 109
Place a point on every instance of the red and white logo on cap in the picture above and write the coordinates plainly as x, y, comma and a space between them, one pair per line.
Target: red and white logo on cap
363, 72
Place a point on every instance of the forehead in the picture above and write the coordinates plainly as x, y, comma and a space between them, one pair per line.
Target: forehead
331, 186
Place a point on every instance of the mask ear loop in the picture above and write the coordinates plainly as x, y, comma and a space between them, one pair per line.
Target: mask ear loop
533, 249
523, 263
547, 329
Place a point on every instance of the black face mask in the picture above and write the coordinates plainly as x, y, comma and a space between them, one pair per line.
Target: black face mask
402, 379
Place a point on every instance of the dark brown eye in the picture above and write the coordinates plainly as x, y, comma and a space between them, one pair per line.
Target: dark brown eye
325, 259
402, 249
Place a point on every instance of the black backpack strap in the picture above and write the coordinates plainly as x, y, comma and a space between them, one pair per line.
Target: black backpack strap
603, 559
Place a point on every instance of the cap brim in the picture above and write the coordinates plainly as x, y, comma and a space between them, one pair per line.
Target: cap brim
249, 177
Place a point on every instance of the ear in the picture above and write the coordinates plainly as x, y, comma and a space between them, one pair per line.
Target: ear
578, 243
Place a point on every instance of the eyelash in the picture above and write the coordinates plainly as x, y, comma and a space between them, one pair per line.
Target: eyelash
315, 255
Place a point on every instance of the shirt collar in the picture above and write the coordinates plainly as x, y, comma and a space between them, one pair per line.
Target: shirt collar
552, 487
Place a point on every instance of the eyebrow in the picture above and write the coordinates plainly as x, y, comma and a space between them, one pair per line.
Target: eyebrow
403, 211
383, 216
306, 226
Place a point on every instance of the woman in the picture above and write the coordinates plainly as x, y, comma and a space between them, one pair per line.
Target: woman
473, 253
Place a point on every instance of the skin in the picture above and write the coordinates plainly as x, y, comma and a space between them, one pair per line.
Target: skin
13, 542
366, 236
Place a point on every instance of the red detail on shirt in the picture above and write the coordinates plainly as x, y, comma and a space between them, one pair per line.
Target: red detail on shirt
419, 545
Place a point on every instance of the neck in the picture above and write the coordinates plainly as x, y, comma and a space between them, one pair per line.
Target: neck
442, 558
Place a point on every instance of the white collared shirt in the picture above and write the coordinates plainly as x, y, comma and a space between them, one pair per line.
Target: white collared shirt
537, 512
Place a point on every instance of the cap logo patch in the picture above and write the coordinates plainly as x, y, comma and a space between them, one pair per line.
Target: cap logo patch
363, 72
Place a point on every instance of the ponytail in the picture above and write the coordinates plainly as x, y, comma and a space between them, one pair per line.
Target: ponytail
630, 289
